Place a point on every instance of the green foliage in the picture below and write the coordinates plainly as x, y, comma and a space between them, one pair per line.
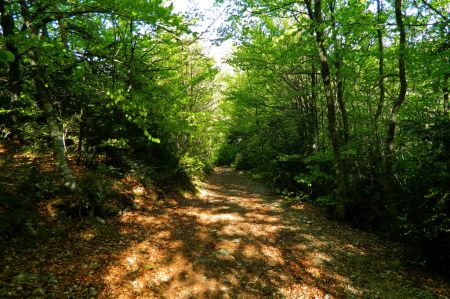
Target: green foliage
241, 162
98, 185
192, 166
279, 126
327, 201
227, 154
6, 56
294, 196
132, 93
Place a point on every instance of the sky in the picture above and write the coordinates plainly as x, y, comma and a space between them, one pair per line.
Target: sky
213, 18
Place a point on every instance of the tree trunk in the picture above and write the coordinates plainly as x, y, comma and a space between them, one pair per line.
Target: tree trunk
315, 111
43, 98
392, 122
339, 80
81, 134
381, 86
260, 135
131, 60
445, 89
56, 133
316, 17
340, 98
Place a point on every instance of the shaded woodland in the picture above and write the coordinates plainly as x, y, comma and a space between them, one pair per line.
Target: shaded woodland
116, 86
342, 104
346, 104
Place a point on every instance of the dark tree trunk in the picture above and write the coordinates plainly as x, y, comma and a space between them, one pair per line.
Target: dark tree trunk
339, 80
314, 103
260, 131
445, 89
392, 121
381, 87
81, 134
340, 98
316, 17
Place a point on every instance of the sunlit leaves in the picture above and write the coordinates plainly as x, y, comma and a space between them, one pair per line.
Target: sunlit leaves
6, 56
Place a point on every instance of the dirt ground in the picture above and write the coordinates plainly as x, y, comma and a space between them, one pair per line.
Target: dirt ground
235, 240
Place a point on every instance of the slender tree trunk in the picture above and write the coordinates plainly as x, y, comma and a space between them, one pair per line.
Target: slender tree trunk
260, 135
381, 87
82, 123
43, 97
314, 103
80, 134
445, 90
115, 53
316, 17
339, 80
340, 98
392, 122
131, 60
302, 123
56, 133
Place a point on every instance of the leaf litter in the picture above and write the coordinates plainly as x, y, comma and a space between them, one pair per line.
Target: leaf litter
235, 240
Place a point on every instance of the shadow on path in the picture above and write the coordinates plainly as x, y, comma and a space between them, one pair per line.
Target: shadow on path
237, 240
234, 241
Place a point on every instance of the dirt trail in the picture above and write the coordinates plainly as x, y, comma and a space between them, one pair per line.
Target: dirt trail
234, 241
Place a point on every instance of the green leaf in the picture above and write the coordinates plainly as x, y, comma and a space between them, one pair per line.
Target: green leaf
6, 56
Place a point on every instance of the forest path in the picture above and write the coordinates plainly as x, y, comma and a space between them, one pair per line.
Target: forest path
238, 240
235, 240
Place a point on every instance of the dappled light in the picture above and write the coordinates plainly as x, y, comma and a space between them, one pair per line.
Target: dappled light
224, 149
229, 241
234, 239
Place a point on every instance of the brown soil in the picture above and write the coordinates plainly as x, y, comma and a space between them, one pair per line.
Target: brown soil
235, 240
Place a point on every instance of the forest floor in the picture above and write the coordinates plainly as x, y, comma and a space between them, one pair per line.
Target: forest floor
234, 240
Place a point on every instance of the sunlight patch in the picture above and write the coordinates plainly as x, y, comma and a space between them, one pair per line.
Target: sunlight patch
208, 218
250, 251
137, 285
204, 192
138, 190
87, 235
131, 260
273, 255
